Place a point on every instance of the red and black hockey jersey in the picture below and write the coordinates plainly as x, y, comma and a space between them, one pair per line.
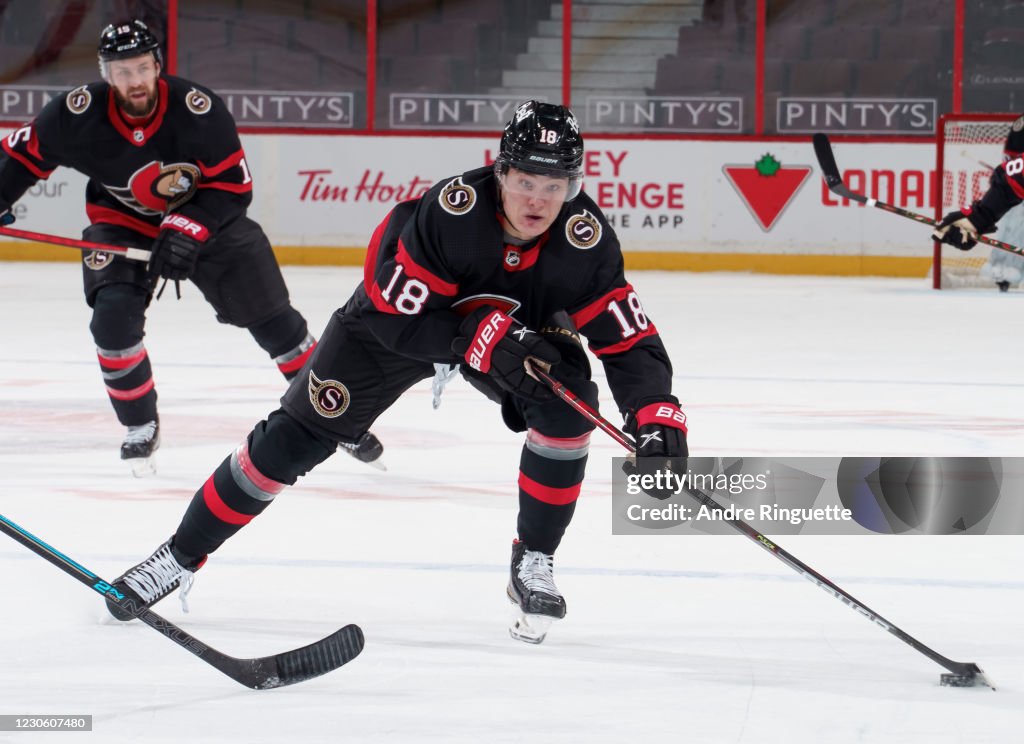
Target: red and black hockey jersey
435, 258
1005, 191
184, 158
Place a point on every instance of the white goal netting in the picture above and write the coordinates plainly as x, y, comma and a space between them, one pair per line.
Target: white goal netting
968, 148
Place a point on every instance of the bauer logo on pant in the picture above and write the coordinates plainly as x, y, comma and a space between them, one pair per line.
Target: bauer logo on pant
329, 397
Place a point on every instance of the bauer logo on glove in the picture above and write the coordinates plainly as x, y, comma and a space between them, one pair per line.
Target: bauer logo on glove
499, 346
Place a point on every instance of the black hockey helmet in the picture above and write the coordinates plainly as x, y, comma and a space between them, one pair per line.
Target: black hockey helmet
543, 138
128, 39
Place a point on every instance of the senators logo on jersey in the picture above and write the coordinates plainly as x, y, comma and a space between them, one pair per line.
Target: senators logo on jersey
156, 188
467, 305
329, 397
198, 102
79, 99
97, 260
583, 230
456, 197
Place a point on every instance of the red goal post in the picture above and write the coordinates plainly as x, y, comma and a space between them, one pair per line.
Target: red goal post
967, 147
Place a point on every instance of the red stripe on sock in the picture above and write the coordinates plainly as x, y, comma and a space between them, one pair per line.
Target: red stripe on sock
222, 511
294, 365
560, 443
121, 362
133, 394
549, 494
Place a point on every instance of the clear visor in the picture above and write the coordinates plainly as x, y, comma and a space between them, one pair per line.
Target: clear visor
537, 186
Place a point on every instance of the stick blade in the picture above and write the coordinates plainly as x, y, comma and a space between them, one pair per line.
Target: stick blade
830, 171
827, 160
298, 665
970, 676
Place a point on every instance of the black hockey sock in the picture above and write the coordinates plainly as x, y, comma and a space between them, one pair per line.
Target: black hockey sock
550, 476
129, 380
286, 338
291, 362
275, 454
229, 500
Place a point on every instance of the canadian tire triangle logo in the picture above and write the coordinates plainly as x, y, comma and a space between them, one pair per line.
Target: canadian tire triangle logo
766, 187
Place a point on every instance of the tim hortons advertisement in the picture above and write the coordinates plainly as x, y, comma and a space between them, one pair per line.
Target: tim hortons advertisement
707, 197
717, 200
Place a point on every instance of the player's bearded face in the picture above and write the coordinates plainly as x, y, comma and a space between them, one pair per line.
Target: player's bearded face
134, 84
531, 202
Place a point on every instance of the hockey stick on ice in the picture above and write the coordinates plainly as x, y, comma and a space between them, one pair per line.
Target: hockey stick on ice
834, 181
261, 673
963, 674
134, 254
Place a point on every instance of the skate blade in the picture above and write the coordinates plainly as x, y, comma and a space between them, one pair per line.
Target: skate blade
376, 464
143, 467
529, 628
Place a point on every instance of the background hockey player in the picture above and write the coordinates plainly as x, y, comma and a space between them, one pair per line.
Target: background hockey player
167, 173
1004, 268
961, 229
489, 269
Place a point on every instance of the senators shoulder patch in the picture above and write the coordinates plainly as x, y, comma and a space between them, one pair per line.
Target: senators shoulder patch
456, 197
78, 100
198, 102
583, 230
329, 397
1018, 124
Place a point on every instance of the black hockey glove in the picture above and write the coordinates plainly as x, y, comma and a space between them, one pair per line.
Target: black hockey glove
961, 229
176, 248
495, 344
659, 428
6, 217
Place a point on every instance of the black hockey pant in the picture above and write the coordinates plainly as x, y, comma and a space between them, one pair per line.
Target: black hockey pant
348, 382
236, 273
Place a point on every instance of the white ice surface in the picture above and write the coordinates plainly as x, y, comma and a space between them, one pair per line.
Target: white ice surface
668, 639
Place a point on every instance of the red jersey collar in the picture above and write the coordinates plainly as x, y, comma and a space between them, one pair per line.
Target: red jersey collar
139, 135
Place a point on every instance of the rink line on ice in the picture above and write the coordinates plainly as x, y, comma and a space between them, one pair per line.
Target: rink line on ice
598, 376
593, 571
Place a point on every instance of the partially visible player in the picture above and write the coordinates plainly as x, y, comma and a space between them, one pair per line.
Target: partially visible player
961, 229
490, 269
167, 173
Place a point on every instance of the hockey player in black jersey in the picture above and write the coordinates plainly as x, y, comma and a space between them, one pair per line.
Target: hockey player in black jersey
489, 269
167, 173
960, 229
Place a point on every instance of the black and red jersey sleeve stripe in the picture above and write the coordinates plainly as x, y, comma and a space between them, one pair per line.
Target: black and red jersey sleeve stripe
230, 174
27, 153
385, 276
612, 323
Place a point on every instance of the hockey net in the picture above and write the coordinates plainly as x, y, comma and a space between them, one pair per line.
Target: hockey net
968, 147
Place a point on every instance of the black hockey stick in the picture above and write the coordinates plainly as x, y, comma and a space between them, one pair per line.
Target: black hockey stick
963, 674
834, 181
261, 673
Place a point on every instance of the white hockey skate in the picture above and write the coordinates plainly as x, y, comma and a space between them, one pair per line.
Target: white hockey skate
138, 447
